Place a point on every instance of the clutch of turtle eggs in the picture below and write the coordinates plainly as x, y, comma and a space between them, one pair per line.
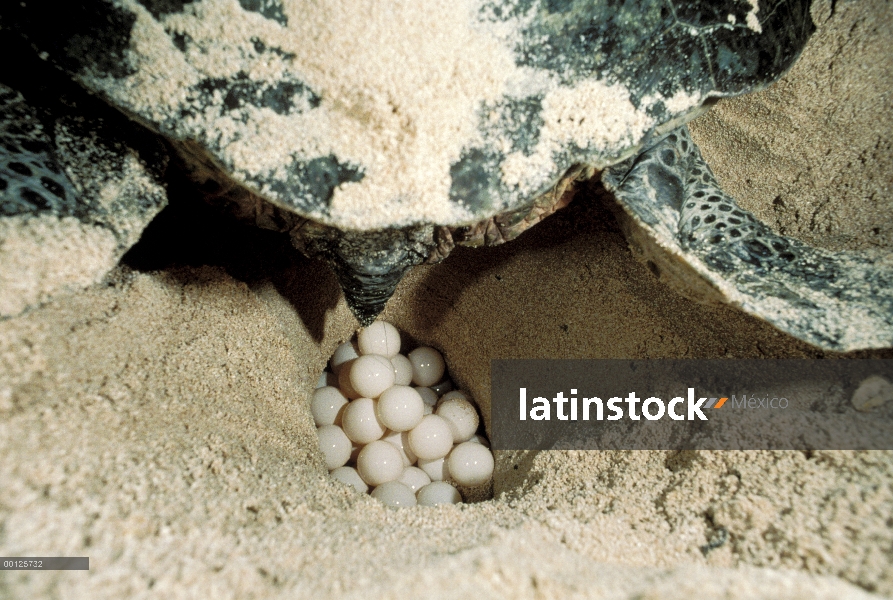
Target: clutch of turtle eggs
392, 423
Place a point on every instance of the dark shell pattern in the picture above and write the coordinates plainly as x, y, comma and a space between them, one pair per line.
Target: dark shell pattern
654, 49
835, 300
655, 64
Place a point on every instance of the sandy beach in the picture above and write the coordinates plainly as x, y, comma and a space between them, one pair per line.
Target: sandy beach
158, 421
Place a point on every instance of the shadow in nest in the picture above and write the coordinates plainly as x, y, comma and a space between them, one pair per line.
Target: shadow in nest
191, 232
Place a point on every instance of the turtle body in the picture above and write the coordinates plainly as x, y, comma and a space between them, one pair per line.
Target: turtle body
78, 184
696, 237
380, 134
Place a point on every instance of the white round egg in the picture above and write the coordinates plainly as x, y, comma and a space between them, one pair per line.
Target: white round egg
400, 408
346, 352
395, 495
400, 441
350, 476
427, 366
379, 338
344, 381
326, 404
453, 395
431, 438
436, 468
442, 388
360, 421
438, 492
428, 395
479, 439
402, 370
379, 462
414, 478
461, 416
334, 445
371, 374
394, 424
470, 464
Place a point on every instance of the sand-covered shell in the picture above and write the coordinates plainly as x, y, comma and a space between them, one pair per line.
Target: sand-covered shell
381, 134
403, 118
374, 115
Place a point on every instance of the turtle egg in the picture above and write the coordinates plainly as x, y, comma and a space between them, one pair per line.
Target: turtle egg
343, 353
461, 416
400, 408
479, 439
431, 438
414, 478
325, 404
394, 424
360, 421
438, 492
350, 476
437, 468
395, 494
379, 338
443, 387
334, 445
399, 441
428, 395
427, 366
371, 374
453, 395
470, 464
402, 370
379, 462
344, 381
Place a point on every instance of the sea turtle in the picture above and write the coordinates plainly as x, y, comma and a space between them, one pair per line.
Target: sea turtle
380, 134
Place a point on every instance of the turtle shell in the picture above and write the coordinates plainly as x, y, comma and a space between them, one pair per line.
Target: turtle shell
368, 115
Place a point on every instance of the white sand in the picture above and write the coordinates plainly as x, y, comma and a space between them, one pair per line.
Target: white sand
159, 424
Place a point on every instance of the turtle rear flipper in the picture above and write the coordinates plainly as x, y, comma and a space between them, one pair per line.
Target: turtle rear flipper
75, 193
700, 240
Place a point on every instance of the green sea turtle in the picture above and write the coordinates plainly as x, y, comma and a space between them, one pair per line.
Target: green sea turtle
380, 134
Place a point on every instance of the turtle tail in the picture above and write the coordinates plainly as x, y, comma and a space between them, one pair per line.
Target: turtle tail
368, 264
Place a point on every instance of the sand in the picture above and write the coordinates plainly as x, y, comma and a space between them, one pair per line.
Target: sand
158, 422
